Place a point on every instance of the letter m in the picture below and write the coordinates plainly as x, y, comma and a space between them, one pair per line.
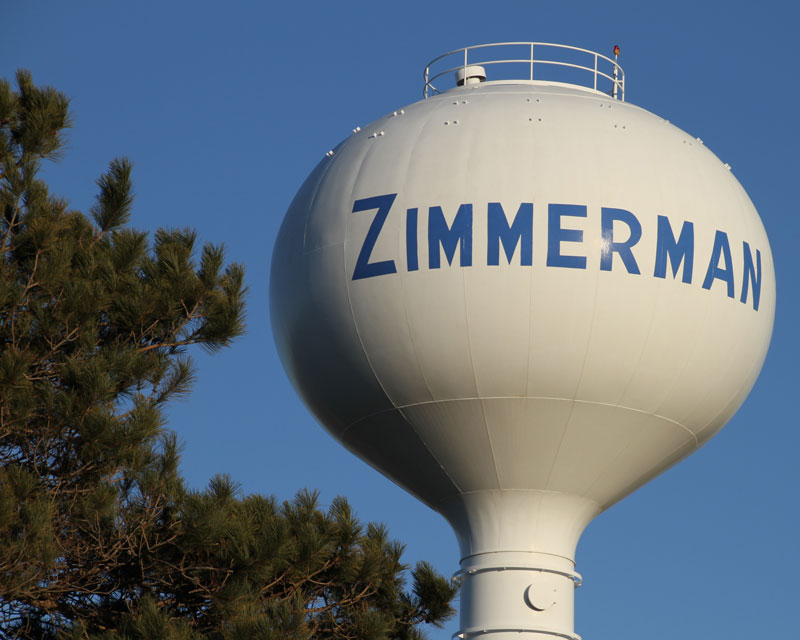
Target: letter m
520, 232
677, 251
450, 237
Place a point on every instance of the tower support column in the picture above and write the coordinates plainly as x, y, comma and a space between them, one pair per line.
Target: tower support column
517, 571
517, 595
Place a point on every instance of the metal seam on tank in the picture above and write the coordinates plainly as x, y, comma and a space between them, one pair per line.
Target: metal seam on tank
313, 197
549, 492
431, 122
316, 190
568, 419
645, 477
530, 274
641, 427
705, 308
580, 380
660, 287
531, 318
429, 450
736, 350
746, 384
481, 400
348, 281
411, 156
570, 400
428, 123
361, 342
635, 374
409, 159
680, 373
545, 493
411, 339
750, 224
531, 315
592, 325
701, 170
468, 144
610, 464
489, 438
422, 441
572, 91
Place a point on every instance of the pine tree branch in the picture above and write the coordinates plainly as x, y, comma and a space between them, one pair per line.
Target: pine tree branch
98, 535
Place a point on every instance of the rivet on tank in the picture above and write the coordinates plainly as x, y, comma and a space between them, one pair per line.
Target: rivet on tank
471, 297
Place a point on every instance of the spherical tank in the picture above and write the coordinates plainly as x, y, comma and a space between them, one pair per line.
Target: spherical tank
520, 300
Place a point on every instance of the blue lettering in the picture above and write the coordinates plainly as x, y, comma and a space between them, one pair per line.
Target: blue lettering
608, 247
412, 253
458, 234
721, 250
519, 232
556, 235
673, 252
676, 252
365, 268
751, 275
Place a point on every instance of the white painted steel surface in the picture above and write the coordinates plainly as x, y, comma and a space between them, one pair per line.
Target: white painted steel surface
521, 400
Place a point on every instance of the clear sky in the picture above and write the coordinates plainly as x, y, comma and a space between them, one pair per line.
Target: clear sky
225, 108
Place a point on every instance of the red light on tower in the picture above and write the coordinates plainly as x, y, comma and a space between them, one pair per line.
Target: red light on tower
616, 49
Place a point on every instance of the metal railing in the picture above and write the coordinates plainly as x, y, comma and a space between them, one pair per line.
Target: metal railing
602, 72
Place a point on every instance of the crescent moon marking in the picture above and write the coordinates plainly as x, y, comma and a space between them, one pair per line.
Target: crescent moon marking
527, 598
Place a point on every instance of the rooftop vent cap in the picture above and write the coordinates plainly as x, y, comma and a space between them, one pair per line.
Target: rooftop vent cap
473, 74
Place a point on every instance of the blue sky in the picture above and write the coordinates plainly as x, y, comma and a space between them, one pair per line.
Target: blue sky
224, 109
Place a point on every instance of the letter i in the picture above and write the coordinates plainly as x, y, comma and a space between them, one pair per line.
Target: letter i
412, 253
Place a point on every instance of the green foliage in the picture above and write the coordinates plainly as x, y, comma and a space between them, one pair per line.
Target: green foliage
99, 538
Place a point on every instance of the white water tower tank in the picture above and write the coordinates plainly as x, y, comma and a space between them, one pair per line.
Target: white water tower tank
521, 298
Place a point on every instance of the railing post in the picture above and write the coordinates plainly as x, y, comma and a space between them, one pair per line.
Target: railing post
595, 72
427, 75
531, 60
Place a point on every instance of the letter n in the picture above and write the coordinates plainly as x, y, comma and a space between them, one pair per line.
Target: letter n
751, 275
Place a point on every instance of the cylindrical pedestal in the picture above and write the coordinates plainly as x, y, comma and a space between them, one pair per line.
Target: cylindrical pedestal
517, 562
517, 595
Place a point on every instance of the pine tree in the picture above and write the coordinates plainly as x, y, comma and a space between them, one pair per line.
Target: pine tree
99, 537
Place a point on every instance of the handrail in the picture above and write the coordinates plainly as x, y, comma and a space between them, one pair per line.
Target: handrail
614, 77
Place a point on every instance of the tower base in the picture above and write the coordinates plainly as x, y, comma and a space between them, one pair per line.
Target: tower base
517, 595
517, 572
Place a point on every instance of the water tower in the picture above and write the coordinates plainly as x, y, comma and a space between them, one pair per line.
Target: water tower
521, 298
